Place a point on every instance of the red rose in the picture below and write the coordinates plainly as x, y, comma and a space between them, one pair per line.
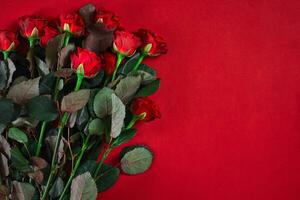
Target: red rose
48, 34
89, 60
152, 44
72, 23
145, 105
8, 41
108, 18
125, 43
31, 26
109, 62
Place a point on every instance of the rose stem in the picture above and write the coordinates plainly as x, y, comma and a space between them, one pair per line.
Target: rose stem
106, 153
43, 127
141, 58
63, 122
5, 54
83, 149
119, 60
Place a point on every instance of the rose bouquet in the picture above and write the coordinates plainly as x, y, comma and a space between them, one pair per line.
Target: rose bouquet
71, 90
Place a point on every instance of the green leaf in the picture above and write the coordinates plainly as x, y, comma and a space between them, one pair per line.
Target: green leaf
130, 64
127, 87
4, 156
96, 127
52, 49
90, 104
146, 68
75, 101
149, 89
87, 166
3, 75
2, 128
82, 118
51, 141
19, 161
145, 76
22, 191
47, 84
22, 92
117, 116
136, 161
42, 108
125, 136
83, 188
42, 66
10, 109
56, 188
93, 82
102, 102
17, 135
108, 176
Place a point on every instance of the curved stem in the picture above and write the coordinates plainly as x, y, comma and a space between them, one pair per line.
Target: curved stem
106, 153
63, 122
141, 58
119, 60
83, 149
41, 138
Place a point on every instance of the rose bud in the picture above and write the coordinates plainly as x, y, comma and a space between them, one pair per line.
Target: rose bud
152, 44
31, 26
72, 23
49, 33
110, 60
108, 18
125, 43
8, 41
86, 59
145, 108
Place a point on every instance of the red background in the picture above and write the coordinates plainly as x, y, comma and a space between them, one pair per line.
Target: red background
230, 97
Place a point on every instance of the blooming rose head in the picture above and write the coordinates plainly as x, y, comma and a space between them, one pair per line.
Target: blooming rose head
87, 59
146, 106
125, 43
31, 26
109, 62
49, 33
108, 18
152, 44
8, 41
72, 23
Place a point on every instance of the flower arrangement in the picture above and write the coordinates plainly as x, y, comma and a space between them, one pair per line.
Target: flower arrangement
71, 90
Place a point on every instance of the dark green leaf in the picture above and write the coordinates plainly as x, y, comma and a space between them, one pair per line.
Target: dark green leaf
146, 68
107, 177
57, 188
125, 136
10, 109
64, 55
17, 135
130, 64
93, 82
42, 108
149, 89
96, 127
87, 166
82, 118
47, 84
136, 161
90, 104
19, 161
11, 70
102, 102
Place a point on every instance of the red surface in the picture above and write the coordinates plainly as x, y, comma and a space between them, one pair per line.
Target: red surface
230, 97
